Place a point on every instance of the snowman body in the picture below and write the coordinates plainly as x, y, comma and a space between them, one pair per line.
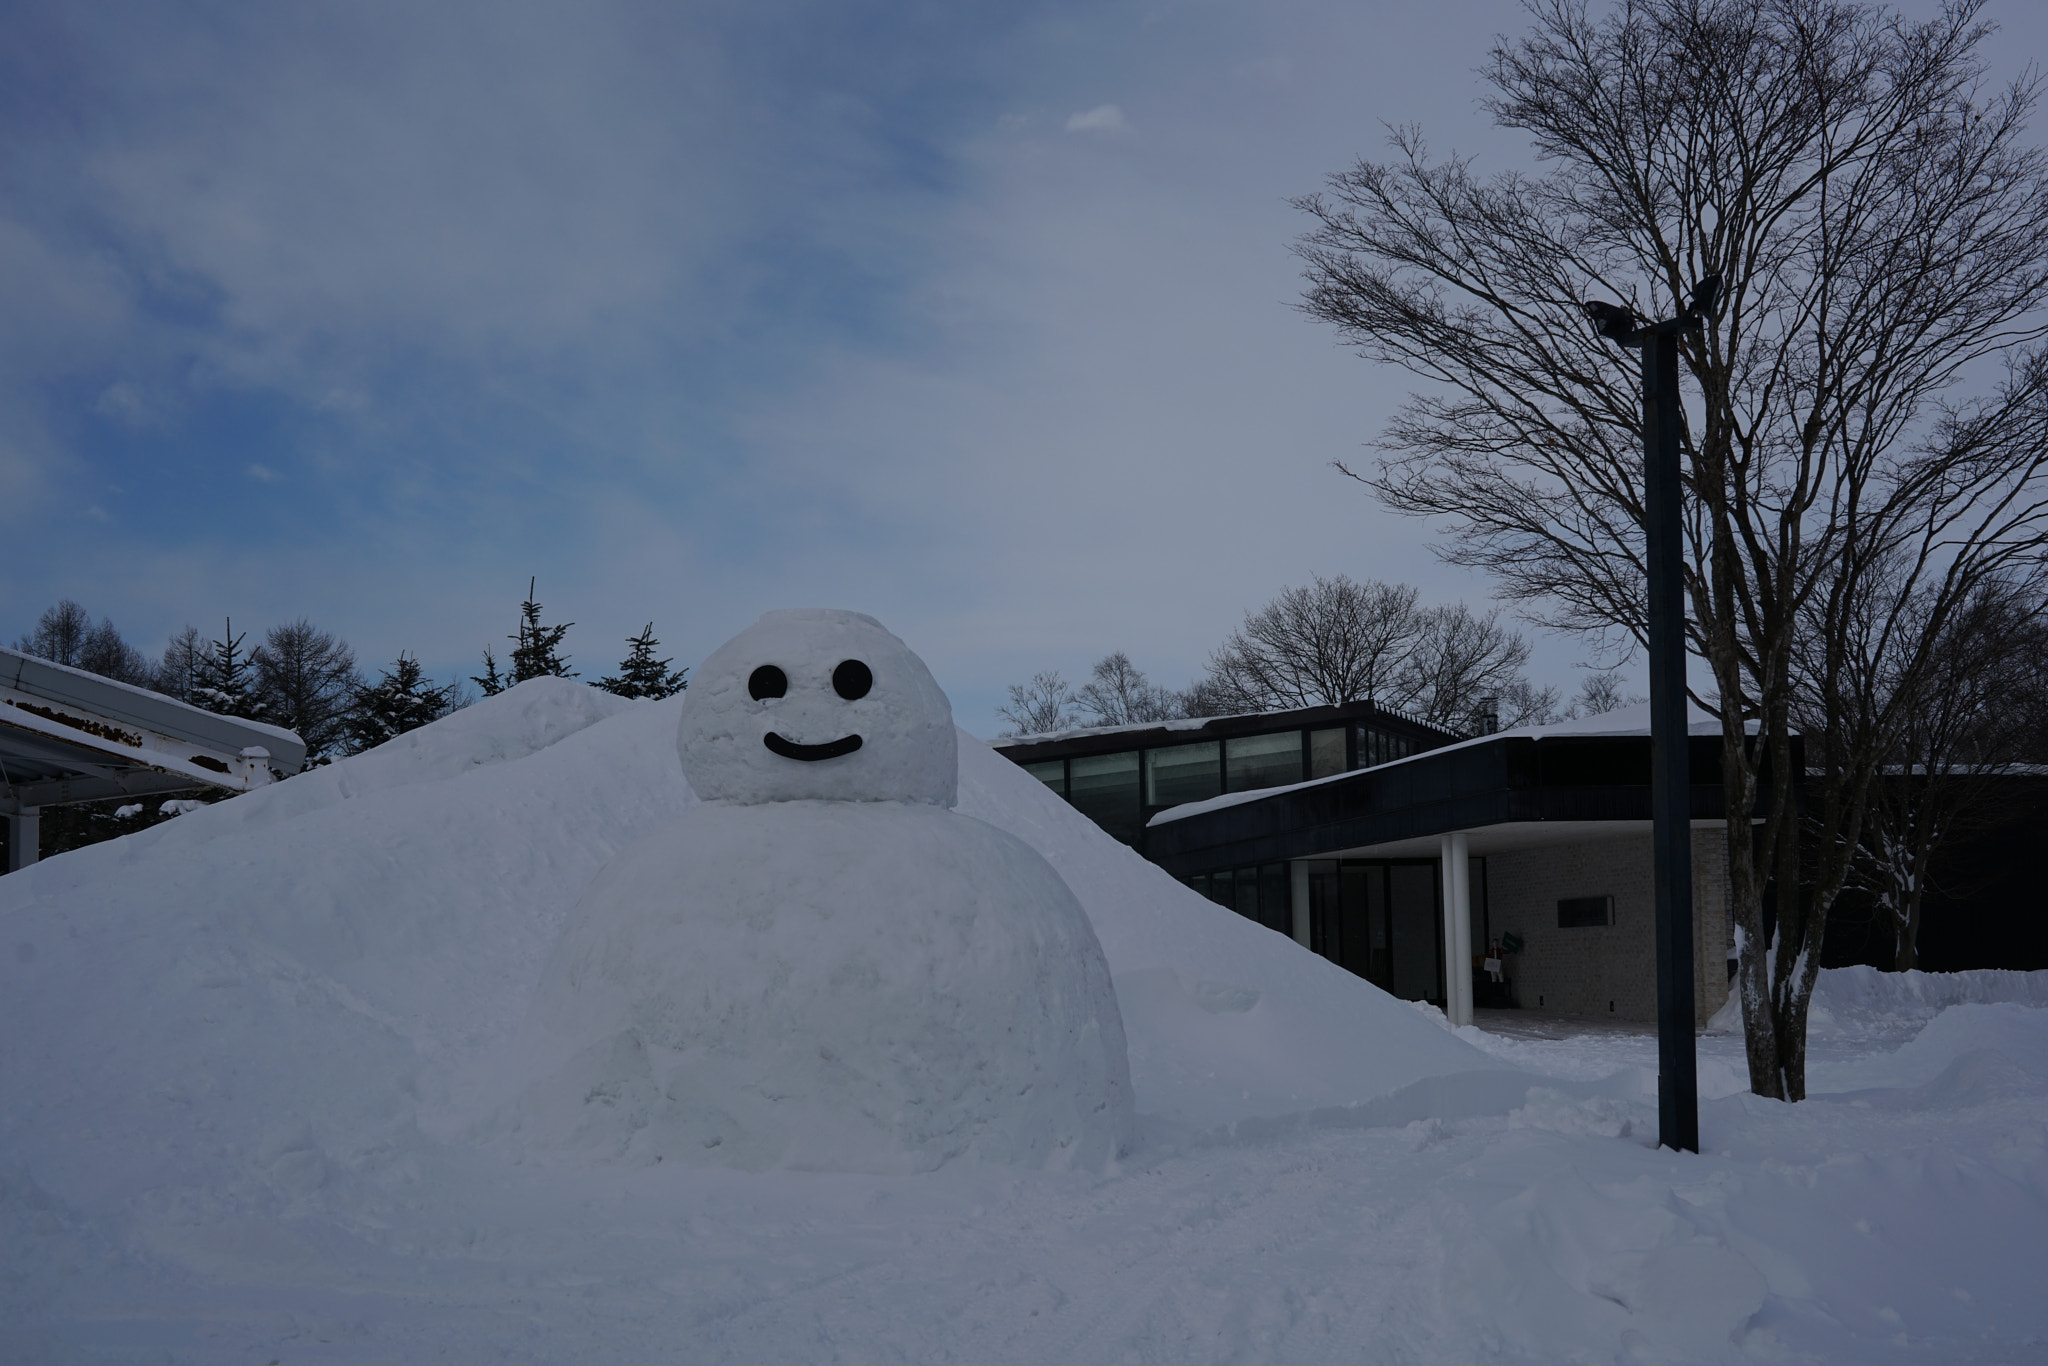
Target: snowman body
822, 965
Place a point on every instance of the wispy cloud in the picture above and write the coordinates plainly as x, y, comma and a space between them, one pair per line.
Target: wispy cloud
1103, 118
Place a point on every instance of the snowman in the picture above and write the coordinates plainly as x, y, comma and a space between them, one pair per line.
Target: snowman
822, 965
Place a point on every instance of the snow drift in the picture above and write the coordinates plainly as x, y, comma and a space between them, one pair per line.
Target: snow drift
350, 955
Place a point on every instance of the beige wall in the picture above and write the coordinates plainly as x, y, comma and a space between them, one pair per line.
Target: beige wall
1580, 971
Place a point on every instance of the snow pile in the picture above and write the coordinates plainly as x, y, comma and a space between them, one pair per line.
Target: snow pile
824, 967
1850, 992
257, 1072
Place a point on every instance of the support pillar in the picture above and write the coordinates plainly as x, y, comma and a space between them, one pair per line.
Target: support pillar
1297, 896
24, 833
1457, 879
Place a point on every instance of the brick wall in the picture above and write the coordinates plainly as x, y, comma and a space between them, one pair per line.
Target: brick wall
1580, 971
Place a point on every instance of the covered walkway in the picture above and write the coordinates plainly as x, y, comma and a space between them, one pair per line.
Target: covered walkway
69, 736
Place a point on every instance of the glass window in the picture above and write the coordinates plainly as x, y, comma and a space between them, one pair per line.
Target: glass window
1248, 893
1251, 761
1221, 884
1371, 747
1200, 882
1417, 920
1276, 898
1183, 773
1325, 752
1104, 788
1053, 773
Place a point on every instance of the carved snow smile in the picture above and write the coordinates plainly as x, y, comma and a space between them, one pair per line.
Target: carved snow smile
790, 749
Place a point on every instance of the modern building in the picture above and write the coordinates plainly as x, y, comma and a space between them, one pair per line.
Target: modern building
71, 736
1123, 776
1529, 848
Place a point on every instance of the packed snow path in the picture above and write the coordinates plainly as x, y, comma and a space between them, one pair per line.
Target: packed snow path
249, 1053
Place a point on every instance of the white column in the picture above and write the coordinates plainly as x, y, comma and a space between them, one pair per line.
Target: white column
1297, 874
1457, 878
24, 832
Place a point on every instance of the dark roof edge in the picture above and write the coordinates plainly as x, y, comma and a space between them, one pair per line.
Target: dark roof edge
1152, 734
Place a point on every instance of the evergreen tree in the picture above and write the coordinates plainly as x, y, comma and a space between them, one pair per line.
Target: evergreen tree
536, 651
641, 674
490, 680
400, 700
224, 681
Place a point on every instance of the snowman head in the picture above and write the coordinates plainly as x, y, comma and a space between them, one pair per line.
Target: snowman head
819, 704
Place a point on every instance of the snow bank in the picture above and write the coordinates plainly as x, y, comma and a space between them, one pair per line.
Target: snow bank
356, 948
1869, 991
244, 1054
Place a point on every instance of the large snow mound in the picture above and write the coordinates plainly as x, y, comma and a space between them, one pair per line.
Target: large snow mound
354, 951
831, 985
245, 1084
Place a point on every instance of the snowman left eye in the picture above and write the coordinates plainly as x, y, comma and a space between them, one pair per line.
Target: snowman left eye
852, 679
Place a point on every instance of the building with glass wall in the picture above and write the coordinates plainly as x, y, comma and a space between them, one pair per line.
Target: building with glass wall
1416, 849
1122, 776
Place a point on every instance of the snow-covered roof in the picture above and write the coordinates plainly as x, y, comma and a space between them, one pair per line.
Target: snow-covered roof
68, 736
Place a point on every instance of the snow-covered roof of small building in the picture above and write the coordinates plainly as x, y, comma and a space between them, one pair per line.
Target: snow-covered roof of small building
68, 736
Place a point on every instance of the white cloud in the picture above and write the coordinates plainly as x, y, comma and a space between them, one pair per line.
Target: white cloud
1103, 118
264, 473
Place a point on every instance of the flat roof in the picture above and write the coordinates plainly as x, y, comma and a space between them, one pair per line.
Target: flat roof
1536, 786
1085, 740
71, 736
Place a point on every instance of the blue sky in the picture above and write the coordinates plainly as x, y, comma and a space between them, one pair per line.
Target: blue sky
974, 317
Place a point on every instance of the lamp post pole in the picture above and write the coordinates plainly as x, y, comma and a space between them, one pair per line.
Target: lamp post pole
1678, 1098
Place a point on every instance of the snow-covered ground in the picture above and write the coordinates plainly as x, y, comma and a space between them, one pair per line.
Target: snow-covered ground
252, 1057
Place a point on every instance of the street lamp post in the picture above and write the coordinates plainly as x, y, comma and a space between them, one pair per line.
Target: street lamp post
1678, 1098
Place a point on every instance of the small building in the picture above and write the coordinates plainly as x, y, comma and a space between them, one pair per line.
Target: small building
70, 736
1530, 848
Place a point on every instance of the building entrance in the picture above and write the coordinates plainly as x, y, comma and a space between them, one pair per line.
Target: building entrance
1383, 919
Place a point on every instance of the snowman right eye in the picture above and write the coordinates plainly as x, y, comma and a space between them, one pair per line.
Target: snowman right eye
766, 682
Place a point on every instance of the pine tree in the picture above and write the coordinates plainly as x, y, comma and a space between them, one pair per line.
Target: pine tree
224, 682
535, 651
399, 701
490, 680
641, 674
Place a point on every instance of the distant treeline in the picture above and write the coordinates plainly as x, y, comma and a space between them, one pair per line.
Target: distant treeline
307, 680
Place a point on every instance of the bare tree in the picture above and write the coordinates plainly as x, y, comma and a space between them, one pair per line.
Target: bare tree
1332, 642
1456, 660
308, 681
65, 634
1954, 730
1601, 693
59, 635
177, 673
1118, 694
1880, 230
1044, 704
1522, 703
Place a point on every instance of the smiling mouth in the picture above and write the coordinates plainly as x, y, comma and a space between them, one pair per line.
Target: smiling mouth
790, 749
